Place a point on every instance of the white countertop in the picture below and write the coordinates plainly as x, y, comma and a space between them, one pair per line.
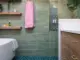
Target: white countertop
70, 25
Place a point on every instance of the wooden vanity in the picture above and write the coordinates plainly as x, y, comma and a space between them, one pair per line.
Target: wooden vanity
70, 46
70, 39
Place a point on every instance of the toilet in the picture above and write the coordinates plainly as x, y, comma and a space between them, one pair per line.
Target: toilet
8, 47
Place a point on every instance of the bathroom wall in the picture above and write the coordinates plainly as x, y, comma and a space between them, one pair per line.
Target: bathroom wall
78, 11
39, 42
63, 11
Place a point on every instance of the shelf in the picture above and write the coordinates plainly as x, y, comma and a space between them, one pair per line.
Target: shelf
10, 0
3, 0
10, 14
11, 28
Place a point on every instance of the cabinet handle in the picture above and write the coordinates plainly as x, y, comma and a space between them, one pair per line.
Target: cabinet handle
74, 57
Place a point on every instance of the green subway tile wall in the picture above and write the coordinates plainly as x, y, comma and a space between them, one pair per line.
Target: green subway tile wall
39, 42
78, 11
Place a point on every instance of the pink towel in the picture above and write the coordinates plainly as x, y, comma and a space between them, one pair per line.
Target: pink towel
29, 15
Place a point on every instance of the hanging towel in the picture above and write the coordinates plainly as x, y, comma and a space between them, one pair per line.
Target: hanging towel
29, 15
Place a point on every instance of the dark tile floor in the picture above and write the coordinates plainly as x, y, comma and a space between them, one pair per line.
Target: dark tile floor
35, 58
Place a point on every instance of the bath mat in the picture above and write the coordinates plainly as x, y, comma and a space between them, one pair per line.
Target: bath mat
35, 58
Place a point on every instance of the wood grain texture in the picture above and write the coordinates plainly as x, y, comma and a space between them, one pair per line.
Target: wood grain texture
11, 28
4, 0
10, 14
70, 46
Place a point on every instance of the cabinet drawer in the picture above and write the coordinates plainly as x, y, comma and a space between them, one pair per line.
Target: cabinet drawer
75, 46
66, 53
70, 46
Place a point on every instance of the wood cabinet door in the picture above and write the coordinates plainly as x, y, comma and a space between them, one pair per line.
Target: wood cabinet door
70, 43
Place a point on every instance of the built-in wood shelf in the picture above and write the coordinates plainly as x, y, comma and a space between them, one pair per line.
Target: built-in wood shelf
10, 14
12, 1
11, 28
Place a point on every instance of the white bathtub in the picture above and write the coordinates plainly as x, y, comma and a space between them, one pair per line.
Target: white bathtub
7, 48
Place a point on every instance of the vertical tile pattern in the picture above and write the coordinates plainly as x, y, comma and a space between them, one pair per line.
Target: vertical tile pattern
40, 41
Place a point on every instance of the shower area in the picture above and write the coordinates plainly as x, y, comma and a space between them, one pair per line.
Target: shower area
42, 42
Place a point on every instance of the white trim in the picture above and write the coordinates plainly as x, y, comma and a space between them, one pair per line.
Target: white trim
59, 43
